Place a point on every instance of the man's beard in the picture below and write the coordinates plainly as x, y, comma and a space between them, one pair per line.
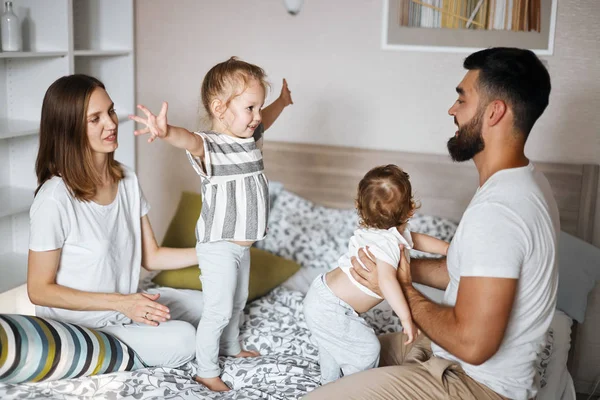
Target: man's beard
469, 141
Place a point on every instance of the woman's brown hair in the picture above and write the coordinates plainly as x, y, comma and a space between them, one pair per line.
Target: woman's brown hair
64, 149
385, 198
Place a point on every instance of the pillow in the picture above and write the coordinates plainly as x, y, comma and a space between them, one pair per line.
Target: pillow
578, 269
438, 227
266, 270
181, 232
312, 235
34, 349
551, 363
275, 188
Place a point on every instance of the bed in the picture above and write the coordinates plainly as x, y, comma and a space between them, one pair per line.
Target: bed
312, 218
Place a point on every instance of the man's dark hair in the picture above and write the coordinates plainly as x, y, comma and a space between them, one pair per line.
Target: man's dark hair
517, 77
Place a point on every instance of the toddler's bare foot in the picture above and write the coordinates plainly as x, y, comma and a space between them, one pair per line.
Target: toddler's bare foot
247, 353
215, 384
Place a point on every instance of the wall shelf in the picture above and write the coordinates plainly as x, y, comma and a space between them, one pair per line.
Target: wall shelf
11, 128
33, 54
13, 270
101, 53
61, 37
14, 201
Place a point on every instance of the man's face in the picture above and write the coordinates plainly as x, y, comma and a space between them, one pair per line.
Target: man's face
468, 117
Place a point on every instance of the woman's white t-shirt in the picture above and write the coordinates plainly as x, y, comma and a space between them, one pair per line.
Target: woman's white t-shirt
101, 245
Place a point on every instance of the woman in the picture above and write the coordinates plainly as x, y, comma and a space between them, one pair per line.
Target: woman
90, 233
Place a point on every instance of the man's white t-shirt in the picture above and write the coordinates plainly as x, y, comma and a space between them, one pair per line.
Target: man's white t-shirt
101, 245
510, 230
384, 244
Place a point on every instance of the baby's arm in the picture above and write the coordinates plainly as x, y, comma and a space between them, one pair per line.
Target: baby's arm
429, 244
176, 136
270, 113
392, 292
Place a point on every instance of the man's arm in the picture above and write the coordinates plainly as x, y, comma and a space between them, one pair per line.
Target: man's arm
474, 328
430, 271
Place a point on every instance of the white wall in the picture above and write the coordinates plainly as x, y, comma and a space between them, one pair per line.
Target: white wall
346, 90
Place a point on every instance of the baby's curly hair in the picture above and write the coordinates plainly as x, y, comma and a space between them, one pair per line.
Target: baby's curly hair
385, 198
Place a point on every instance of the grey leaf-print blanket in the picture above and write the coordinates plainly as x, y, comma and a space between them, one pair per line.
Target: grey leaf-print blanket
274, 325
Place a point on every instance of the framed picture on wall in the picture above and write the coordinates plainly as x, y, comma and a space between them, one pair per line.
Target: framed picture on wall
468, 25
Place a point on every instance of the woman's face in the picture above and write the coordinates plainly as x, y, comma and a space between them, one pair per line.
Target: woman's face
102, 122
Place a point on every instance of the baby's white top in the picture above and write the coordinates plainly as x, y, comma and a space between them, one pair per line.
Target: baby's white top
383, 244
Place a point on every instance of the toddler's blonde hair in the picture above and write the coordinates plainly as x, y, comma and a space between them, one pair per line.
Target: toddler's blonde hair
229, 79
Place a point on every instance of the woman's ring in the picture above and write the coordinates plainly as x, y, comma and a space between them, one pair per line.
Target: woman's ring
146, 315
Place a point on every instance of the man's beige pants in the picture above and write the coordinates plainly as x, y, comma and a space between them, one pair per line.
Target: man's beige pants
407, 372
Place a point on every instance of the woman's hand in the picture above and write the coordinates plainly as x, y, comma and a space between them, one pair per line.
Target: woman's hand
286, 94
143, 308
156, 125
366, 277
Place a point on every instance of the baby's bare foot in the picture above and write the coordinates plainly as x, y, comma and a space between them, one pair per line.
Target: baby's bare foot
215, 384
247, 353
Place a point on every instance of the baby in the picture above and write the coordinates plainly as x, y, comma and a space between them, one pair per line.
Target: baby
346, 342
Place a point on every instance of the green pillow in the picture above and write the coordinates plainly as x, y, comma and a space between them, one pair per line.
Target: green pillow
266, 270
182, 229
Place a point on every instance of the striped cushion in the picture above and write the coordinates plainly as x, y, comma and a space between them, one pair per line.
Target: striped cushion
35, 349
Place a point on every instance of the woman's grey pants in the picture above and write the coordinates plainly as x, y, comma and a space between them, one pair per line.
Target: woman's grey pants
172, 343
346, 342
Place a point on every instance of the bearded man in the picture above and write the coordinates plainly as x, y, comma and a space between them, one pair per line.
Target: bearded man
500, 276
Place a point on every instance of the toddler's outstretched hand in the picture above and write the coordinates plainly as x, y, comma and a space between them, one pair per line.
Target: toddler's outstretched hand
156, 126
286, 94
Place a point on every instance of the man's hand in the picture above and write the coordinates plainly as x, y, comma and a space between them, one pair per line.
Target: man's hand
366, 277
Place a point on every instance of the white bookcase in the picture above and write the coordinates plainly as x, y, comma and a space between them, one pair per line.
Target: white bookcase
60, 37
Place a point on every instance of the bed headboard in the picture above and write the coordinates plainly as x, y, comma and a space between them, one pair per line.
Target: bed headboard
329, 175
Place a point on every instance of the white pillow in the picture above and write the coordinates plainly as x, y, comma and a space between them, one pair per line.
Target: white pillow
578, 269
551, 365
314, 236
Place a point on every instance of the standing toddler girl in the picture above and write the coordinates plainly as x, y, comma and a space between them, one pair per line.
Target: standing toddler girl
235, 199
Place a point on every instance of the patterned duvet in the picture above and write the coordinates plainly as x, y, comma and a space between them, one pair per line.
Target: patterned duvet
273, 325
